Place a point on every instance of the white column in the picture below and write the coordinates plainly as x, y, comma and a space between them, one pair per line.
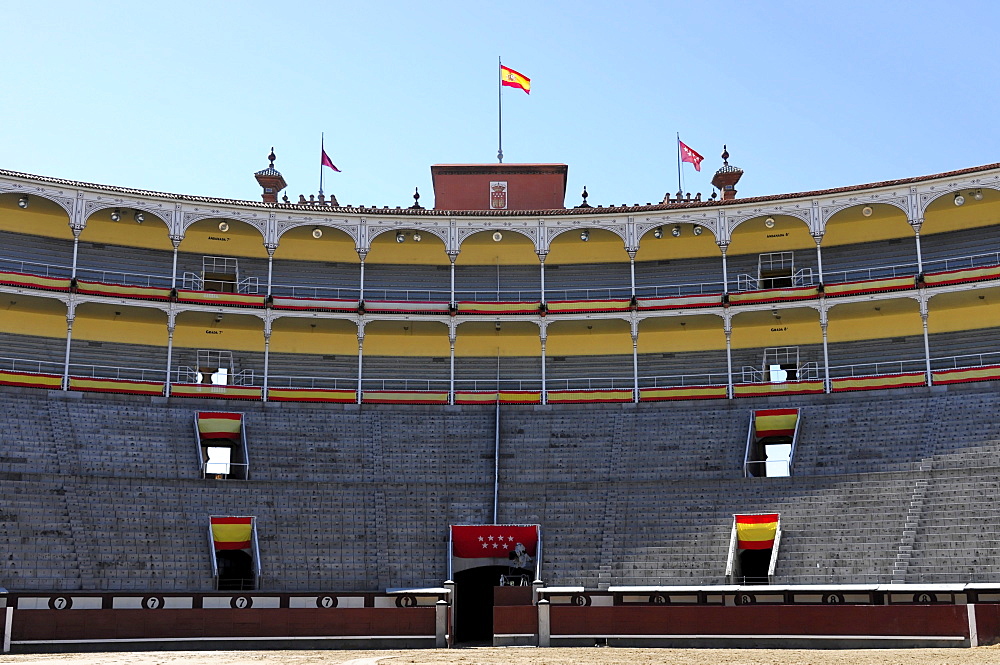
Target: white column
361, 294
635, 363
725, 271
819, 255
541, 263
171, 324
451, 369
452, 256
631, 270
8, 624
70, 316
76, 247
544, 627
267, 354
175, 241
270, 262
440, 623
916, 224
361, 344
729, 356
927, 343
545, 397
823, 323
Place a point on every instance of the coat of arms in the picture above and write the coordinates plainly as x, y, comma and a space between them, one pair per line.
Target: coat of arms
498, 195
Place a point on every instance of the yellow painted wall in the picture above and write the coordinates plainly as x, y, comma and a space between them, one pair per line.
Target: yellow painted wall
850, 226
120, 329
575, 339
508, 343
687, 246
670, 336
41, 217
151, 234
204, 237
335, 246
753, 237
479, 249
875, 326
951, 319
602, 247
23, 321
429, 251
420, 338
763, 330
943, 215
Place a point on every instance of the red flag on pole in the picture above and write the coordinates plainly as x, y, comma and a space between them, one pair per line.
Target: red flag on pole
689, 155
326, 161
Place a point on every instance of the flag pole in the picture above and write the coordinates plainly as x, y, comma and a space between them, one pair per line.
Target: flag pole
679, 187
499, 112
322, 149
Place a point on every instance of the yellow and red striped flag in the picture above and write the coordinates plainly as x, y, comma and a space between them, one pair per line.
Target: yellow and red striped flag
756, 532
232, 533
218, 425
514, 79
775, 422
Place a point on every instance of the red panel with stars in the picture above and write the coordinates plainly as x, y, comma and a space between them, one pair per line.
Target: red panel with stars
492, 540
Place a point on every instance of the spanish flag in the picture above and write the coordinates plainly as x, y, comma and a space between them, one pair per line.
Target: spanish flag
232, 533
514, 79
775, 422
756, 532
216, 425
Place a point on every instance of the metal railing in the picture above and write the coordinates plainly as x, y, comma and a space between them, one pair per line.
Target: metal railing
508, 295
119, 278
487, 385
863, 274
959, 262
680, 380
319, 292
967, 360
195, 282
675, 290
610, 293
801, 277
437, 385
120, 373
33, 268
408, 295
879, 368
805, 372
185, 374
596, 383
31, 366
312, 382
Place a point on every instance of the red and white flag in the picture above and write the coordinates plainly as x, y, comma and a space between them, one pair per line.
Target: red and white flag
492, 540
689, 155
325, 160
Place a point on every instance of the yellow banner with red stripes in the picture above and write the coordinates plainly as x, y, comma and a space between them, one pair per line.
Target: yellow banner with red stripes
584, 396
682, 392
404, 397
967, 374
28, 380
775, 422
869, 286
35, 281
907, 380
221, 392
144, 292
122, 386
232, 533
570, 306
312, 395
756, 532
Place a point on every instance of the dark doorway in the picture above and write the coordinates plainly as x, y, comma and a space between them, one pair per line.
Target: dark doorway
474, 602
753, 566
235, 570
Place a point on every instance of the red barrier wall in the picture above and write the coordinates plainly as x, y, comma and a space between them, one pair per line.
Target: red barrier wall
515, 620
119, 624
891, 620
988, 623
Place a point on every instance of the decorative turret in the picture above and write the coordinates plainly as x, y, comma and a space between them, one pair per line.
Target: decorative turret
725, 178
271, 181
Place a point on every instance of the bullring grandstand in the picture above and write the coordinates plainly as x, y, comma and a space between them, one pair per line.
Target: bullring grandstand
505, 417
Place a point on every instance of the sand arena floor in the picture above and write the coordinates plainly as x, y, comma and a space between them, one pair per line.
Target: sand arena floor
530, 656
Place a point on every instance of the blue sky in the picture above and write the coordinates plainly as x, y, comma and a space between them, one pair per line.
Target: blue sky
189, 97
